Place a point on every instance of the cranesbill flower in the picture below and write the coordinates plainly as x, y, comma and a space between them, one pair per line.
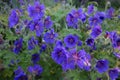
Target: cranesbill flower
83, 17
110, 12
37, 26
90, 9
43, 47
36, 11
117, 55
113, 74
85, 60
113, 35
96, 31
18, 71
50, 36
35, 69
90, 42
94, 20
101, 16
71, 20
13, 18
116, 43
77, 13
32, 43
81, 59
18, 45
59, 55
70, 40
59, 43
35, 58
20, 75
102, 65
48, 22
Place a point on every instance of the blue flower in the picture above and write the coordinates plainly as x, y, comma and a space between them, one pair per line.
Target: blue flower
50, 36
43, 47
35, 58
113, 74
59, 43
59, 55
13, 18
110, 12
116, 43
35, 69
48, 22
102, 65
83, 18
18, 71
96, 31
77, 13
36, 11
117, 55
71, 20
32, 43
94, 20
90, 9
113, 36
18, 45
81, 59
90, 42
36, 26
85, 60
101, 16
70, 40
20, 75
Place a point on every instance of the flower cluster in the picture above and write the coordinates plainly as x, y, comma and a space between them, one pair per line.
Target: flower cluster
70, 51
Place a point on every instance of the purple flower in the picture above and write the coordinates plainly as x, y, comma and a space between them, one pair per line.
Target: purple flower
90, 9
102, 65
59, 43
96, 31
116, 43
37, 26
20, 75
36, 11
113, 74
13, 18
110, 12
101, 16
32, 43
50, 36
94, 20
48, 22
35, 70
83, 17
18, 71
90, 42
35, 58
73, 17
81, 59
43, 47
21, 2
70, 40
71, 20
117, 55
113, 36
85, 60
77, 13
79, 43
59, 55
18, 45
